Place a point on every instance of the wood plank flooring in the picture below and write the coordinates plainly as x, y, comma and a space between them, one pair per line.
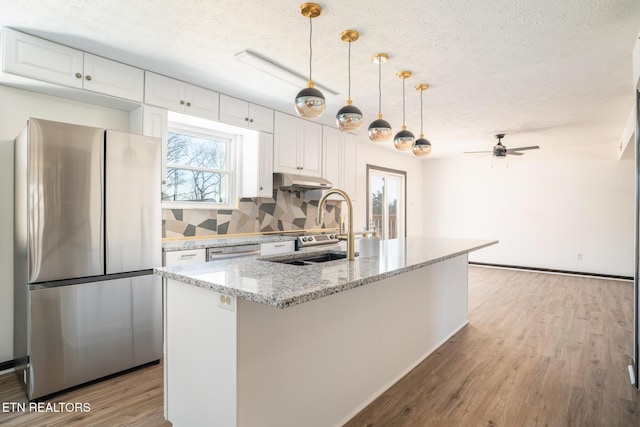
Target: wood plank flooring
540, 350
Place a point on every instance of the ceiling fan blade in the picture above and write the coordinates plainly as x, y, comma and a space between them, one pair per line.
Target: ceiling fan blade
533, 147
514, 153
476, 152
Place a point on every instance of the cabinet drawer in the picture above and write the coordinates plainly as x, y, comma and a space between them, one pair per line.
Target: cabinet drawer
277, 248
194, 256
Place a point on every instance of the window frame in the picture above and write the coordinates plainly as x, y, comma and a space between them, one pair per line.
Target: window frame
202, 128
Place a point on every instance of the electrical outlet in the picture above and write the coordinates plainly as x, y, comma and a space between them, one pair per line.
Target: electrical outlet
580, 256
227, 302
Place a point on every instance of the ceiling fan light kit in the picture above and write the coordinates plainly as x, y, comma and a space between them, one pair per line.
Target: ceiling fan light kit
500, 151
310, 102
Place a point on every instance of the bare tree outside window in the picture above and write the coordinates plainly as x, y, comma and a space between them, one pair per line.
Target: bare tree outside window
196, 169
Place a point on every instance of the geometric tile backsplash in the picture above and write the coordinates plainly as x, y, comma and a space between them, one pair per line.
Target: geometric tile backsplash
285, 211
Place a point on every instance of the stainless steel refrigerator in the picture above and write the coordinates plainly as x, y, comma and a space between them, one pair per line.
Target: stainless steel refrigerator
87, 235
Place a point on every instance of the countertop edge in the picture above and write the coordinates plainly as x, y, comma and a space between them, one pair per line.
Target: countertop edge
286, 302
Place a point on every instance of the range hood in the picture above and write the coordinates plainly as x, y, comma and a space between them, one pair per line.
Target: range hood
293, 182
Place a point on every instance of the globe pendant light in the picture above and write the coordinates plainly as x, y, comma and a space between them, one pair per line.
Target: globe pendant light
422, 146
349, 117
403, 139
379, 130
310, 102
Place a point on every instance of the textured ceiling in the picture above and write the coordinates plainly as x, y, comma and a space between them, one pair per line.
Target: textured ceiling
552, 73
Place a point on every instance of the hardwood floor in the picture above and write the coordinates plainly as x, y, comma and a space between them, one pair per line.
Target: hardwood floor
540, 350
132, 399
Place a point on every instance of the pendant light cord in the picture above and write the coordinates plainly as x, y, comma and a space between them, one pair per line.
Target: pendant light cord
421, 132
310, 45
380, 86
403, 117
349, 73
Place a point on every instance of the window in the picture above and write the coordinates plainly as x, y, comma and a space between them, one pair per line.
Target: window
386, 201
200, 162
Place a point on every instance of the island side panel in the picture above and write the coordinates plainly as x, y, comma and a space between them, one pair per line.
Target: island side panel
321, 362
200, 357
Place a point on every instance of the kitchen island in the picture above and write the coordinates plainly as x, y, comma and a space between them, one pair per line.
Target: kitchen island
255, 341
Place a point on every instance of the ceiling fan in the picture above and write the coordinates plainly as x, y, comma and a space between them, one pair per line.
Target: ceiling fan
500, 150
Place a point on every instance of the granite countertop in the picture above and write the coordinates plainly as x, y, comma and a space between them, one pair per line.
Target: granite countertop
203, 243
279, 285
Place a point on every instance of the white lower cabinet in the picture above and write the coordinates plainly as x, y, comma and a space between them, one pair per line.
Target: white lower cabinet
186, 257
276, 248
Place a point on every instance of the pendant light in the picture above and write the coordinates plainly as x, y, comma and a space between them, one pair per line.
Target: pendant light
379, 130
403, 139
310, 102
349, 117
422, 146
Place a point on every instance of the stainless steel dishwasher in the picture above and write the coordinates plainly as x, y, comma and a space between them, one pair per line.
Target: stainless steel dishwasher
237, 251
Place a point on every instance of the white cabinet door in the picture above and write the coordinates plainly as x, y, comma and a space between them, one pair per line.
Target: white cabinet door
285, 144
163, 91
332, 160
113, 78
41, 59
186, 257
260, 118
276, 248
241, 113
176, 95
257, 166
234, 111
202, 102
297, 146
339, 161
310, 148
349, 164
265, 174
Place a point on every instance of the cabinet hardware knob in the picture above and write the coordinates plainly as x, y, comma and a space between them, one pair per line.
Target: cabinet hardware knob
261, 188
181, 102
188, 104
78, 76
164, 181
251, 121
246, 119
88, 77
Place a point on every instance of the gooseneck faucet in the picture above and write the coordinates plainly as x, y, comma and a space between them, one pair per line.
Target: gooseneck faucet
350, 237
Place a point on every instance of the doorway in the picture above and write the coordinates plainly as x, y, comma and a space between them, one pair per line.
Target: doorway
386, 202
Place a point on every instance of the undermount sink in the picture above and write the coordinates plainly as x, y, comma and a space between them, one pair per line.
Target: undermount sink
313, 259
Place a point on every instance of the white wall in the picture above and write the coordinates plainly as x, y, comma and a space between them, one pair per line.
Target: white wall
373, 153
16, 106
545, 207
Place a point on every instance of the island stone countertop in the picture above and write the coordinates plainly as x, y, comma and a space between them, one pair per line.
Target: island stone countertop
263, 280
203, 243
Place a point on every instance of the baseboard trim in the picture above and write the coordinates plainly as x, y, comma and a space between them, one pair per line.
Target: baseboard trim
5, 366
551, 270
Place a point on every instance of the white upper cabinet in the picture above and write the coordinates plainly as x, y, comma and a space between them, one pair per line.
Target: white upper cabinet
340, 160
39, 59
241, 113
113, 78
297, 145
257, 166
176, 95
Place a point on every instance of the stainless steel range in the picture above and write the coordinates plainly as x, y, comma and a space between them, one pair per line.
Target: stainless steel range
323, 240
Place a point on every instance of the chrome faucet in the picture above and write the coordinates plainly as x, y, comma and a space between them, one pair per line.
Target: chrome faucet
349, 237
